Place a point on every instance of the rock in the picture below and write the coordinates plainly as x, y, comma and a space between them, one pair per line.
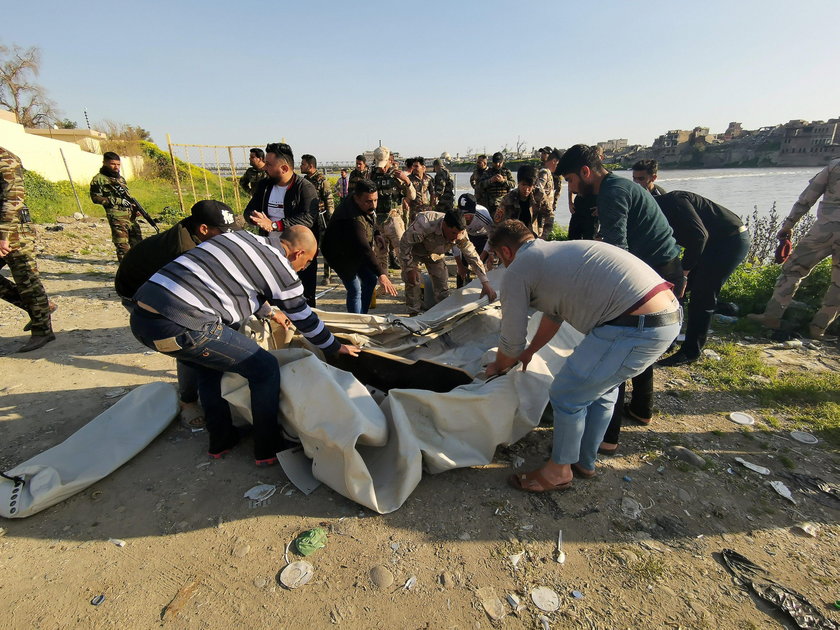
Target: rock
381, 576
687, 455
464, 536
631, 508
711, 354
493, 606
628, 557
241, 549
78, 216
448, 580
684, 495
260, 582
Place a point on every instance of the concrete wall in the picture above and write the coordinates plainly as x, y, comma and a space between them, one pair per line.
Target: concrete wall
42, 155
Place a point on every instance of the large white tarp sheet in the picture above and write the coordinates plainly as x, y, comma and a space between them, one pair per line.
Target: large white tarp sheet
375, 453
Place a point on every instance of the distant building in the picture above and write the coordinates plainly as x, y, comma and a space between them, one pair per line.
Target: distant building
613, 146
809, 144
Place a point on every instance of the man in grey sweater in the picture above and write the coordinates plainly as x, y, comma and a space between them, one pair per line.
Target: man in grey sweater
626, 311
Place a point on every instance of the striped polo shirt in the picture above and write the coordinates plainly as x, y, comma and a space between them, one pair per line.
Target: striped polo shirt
227, 278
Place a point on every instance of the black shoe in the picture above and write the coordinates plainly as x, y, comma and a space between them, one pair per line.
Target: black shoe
36, 341
678, 358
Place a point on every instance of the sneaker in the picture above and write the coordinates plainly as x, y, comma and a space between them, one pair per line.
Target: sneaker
36, 341
265, 463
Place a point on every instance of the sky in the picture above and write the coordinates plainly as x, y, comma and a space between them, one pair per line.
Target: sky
336, 78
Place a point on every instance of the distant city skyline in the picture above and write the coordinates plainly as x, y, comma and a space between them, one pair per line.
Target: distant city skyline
335, 79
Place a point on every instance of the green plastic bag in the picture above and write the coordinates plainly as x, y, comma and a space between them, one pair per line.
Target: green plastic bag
311, 541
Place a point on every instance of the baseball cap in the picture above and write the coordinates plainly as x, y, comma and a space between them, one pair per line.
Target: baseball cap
555, 154
380, 156
214, 214
546, 149
498, 157
467, 203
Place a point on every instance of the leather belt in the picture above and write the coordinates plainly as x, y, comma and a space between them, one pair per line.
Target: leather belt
647, 321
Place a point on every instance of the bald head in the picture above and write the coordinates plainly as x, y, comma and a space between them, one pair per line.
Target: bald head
300, 245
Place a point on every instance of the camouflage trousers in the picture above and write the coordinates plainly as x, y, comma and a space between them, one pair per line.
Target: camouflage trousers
26, 292
392, 227
125, 231
819, 243
438, 272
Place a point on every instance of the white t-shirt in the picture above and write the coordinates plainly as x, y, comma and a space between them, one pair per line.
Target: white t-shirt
275, 203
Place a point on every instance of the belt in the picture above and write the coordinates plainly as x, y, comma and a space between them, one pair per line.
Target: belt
647, 321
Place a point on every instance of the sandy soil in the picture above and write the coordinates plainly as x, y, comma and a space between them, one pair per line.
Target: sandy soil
196, 546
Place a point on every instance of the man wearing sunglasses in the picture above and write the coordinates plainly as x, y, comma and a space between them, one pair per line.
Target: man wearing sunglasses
284, 199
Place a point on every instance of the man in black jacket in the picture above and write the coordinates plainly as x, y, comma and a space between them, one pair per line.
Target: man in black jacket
284, 199
207, 219
348, 247
716, 242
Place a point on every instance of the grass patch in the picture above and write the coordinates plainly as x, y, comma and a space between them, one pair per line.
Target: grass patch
649, 569
787, 462
737, 364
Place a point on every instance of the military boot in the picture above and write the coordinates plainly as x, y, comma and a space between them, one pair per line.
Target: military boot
768, 321
37, 341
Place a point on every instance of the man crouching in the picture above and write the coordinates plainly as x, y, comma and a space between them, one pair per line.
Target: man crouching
626, 311
187, 310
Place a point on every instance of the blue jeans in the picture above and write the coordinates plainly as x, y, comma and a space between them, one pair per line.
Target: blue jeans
584, 391
212, 351
359, 289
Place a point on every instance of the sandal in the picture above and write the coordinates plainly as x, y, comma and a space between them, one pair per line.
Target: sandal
629, 413
607, 451
192, 416
583, 473
526, 481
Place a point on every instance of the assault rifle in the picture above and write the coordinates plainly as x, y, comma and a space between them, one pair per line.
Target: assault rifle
122, 191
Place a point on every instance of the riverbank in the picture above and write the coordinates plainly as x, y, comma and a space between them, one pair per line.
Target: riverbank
642, 539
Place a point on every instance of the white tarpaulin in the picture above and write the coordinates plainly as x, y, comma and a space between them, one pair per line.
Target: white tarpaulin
91, 453
374, 453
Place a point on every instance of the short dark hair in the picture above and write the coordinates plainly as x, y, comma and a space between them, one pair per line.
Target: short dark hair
526, 174
651, 166
498, 157
258, 152
309, 159
361, 158
409, 162
481, 157
110, 155
344, 170
283, 151
510, 233
420, 160
577, 157
364, 187
454, 218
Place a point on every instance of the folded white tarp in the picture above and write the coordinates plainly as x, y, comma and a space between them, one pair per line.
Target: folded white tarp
91, 453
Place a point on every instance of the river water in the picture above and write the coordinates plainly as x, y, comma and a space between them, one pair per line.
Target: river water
739, 189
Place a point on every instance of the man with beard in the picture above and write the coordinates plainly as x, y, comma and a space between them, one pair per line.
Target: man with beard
631, 220
496, 182
349, 247
309, 168
284, 199
392, 185
423, 186
253, 173
477, 175
360, 172
105, 191
444, 187
526, 203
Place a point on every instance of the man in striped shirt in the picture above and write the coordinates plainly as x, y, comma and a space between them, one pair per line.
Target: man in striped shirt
189, 309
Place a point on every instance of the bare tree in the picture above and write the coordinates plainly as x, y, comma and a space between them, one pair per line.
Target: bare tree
19, 93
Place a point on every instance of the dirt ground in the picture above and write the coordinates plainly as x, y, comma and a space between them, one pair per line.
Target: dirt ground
199, 555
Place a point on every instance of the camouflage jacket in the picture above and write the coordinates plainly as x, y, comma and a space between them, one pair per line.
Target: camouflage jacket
495, 190
545, 182
477, 176
12, 213
825, 184
445, 189
542, 217
248, 181
424, 239
103, 191
356, 175
424, 189
326, 205
391, 190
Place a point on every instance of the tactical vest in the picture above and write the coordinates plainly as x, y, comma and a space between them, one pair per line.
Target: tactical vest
494, 190
388, 189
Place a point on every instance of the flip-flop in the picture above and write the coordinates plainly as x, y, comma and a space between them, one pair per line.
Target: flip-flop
192, 417
607, 451
583, 473
629, 413
515, 481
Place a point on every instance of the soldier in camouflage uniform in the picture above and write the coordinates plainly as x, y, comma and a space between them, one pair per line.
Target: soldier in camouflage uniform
527, 203
547, 154
254, 173
17, 249
822, 240
444, 187
426, 242
392, 185
424, 187
326, 204
477, 175
125, 231
360, 172
495, 184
